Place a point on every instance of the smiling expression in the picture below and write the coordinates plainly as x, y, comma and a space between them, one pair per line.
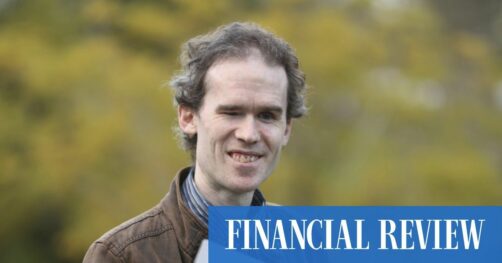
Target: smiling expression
241, 126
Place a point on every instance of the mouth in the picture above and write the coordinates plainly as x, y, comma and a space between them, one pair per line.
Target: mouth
244, 157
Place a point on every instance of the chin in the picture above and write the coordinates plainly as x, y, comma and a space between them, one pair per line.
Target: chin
244, 186
246, 179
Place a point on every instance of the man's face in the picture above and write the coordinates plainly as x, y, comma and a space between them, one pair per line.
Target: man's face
241, 125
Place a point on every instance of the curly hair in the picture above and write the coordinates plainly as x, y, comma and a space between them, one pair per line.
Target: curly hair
235, 40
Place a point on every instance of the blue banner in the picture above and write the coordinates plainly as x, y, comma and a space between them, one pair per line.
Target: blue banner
355, 234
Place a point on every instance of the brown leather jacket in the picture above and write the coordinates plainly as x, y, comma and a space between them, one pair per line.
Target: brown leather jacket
169, 232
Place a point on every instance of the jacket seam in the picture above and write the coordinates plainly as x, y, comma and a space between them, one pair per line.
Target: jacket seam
109, 250
122, 246
139, 220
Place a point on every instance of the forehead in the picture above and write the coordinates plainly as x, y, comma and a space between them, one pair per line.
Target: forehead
248, 79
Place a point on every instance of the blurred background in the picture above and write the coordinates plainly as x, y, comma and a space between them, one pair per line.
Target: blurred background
405, 109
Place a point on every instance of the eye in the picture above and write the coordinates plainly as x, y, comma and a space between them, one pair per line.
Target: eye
267, 116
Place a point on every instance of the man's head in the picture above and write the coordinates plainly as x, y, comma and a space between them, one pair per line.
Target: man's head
234, 40
239, 90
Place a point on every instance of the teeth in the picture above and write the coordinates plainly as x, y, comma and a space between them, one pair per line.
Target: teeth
244, 158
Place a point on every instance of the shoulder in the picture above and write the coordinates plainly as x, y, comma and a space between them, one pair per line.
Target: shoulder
149, 224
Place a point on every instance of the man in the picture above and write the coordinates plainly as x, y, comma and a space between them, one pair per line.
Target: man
236, 96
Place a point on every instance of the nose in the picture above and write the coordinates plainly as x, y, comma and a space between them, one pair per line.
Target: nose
247, 131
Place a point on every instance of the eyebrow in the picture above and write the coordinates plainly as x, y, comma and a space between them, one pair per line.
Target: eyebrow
271, 108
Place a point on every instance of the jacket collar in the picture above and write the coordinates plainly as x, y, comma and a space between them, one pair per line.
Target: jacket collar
190, 231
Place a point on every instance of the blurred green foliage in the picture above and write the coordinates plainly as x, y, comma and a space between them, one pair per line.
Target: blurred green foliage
405, 96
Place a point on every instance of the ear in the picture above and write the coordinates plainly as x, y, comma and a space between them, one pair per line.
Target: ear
187, 120
287, 132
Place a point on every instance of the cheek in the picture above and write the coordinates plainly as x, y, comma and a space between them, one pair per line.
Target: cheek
204, 137
273, 138
215, 136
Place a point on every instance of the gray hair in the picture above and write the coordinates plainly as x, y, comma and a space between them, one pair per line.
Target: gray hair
234, 40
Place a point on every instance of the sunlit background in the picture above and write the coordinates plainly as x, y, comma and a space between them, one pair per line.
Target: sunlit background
405, 109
